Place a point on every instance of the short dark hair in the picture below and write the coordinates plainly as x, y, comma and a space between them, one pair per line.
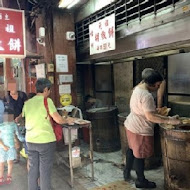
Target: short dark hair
152, 77
87, 97
41, 84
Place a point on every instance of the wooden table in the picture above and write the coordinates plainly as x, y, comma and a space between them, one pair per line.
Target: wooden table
77, 126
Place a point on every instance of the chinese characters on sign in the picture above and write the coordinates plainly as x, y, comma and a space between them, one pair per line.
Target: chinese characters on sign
102, 35
40, 71
65, 78
12, 33
64, 89
61, 63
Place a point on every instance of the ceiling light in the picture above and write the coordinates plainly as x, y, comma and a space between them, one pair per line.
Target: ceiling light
67, 3
72, 4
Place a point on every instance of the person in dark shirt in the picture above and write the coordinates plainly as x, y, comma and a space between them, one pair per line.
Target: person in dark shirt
91, 102
14, 100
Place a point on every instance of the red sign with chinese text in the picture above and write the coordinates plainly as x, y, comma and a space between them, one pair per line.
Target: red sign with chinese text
12, 33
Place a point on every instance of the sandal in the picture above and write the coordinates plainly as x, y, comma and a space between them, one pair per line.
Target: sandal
16, 161
1, 181
9, 180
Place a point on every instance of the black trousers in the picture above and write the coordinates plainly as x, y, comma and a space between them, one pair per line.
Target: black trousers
138, 164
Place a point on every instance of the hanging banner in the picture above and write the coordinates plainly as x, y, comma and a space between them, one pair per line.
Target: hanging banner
12, 33
102, 35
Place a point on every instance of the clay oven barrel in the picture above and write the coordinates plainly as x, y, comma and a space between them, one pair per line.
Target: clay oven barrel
123, 137
176, 157
105, 131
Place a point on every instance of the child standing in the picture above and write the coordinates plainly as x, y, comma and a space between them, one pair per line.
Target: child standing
8, 129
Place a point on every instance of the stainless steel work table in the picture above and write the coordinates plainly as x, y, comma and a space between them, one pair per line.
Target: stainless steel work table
77, 126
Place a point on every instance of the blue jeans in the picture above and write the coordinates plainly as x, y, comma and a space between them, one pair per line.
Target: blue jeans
40, 165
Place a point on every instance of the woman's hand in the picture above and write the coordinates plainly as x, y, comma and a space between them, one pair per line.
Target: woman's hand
17, 119
174, 121
6, 148
17, 142
70, 120
164, 111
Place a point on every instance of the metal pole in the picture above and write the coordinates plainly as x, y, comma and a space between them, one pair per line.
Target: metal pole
70, 156
91, 151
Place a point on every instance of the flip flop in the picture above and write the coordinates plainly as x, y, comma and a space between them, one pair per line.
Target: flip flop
2, 181
9, 180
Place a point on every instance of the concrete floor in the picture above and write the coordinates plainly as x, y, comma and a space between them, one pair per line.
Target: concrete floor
107, 166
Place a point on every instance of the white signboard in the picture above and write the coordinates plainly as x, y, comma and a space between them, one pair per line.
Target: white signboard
40, 71
65, 89
102, 35
65, 78
61, 63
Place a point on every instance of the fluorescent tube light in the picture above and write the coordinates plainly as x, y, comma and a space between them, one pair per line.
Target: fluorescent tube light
65, 3
72, 4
